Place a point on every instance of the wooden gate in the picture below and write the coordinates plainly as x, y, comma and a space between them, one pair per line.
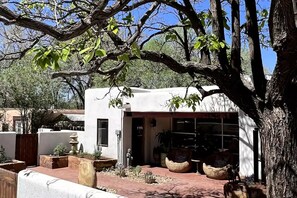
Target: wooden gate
26, 148
8, 183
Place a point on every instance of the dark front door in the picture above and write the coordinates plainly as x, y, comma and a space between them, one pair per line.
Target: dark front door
138, 141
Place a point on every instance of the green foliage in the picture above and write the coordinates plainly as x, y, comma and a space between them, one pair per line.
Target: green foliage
149, 177
113, 25
128, 18
117, 102
3, 156
97, 153
190, 101
48, 56
135, 50
210, 41
120, 170
94, 50
137, 170
60, 150
171, 36
124, 57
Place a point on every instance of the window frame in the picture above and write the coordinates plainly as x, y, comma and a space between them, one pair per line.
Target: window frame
99, 136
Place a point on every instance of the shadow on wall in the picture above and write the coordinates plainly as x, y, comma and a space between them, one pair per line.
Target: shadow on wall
218, 103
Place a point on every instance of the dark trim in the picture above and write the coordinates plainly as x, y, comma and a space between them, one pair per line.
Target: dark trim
183, 114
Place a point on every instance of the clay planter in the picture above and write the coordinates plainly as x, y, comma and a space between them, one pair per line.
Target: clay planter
15, 166
51, 161
99, 165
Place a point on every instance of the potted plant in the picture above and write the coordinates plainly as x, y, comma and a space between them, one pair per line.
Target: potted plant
59, 159
164, 139
9, 164
60, 150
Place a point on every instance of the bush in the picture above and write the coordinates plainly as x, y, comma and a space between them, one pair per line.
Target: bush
3, 156
97, 153
149, 178
120, 170
60, 150
95, 156
137, 170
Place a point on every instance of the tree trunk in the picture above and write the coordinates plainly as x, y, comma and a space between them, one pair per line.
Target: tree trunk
278, 135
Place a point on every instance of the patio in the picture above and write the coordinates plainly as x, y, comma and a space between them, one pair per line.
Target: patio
189, 185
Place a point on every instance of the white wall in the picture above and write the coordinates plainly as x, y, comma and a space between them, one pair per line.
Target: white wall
37, 185
96, 107
8, 141
246, 151
47, 141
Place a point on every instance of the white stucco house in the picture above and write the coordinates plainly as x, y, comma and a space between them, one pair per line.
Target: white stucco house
217, 122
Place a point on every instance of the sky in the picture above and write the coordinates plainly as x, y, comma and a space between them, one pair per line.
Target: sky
269, 59
268, 55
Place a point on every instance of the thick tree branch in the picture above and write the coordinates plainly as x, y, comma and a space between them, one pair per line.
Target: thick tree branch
283, 36
236, 46
205, 93
218, 30
97, 17
255, 51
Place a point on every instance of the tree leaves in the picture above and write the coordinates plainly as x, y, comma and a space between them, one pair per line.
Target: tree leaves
210, 41
129, 18
92, 51
124, 57
190, 101
135, 50
113, 25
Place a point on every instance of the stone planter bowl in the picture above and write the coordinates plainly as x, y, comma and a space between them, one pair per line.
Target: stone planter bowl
215, 173
179, 160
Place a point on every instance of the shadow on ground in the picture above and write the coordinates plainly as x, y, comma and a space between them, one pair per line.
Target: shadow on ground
189, 193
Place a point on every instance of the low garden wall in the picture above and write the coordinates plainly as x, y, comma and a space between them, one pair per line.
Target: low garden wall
37, 185
47, 141
8, 141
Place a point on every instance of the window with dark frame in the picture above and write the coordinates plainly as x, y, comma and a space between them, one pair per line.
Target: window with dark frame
102, 132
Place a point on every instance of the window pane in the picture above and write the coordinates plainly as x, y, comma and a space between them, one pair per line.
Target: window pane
102, 132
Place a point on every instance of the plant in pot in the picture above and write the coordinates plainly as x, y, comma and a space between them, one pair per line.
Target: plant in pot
60, 150
164, 139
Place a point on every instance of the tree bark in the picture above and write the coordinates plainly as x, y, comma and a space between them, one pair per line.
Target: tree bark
278, 134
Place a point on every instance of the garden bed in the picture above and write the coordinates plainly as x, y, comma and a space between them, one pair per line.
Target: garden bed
52, 161
14, 166
131, 175
102, 163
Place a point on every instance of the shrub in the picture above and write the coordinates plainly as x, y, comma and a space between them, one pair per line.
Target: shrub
149, 178
120, 170
60, 150
3, 156
137, 170
97, 153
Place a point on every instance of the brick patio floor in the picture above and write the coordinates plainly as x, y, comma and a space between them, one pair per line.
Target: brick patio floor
183, 185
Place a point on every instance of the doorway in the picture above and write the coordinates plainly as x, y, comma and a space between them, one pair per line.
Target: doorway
138, 141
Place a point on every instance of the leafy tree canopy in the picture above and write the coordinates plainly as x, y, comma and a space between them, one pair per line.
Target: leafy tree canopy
109, 36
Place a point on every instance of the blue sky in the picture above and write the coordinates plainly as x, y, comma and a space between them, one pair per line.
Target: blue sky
269, 59
268, 55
